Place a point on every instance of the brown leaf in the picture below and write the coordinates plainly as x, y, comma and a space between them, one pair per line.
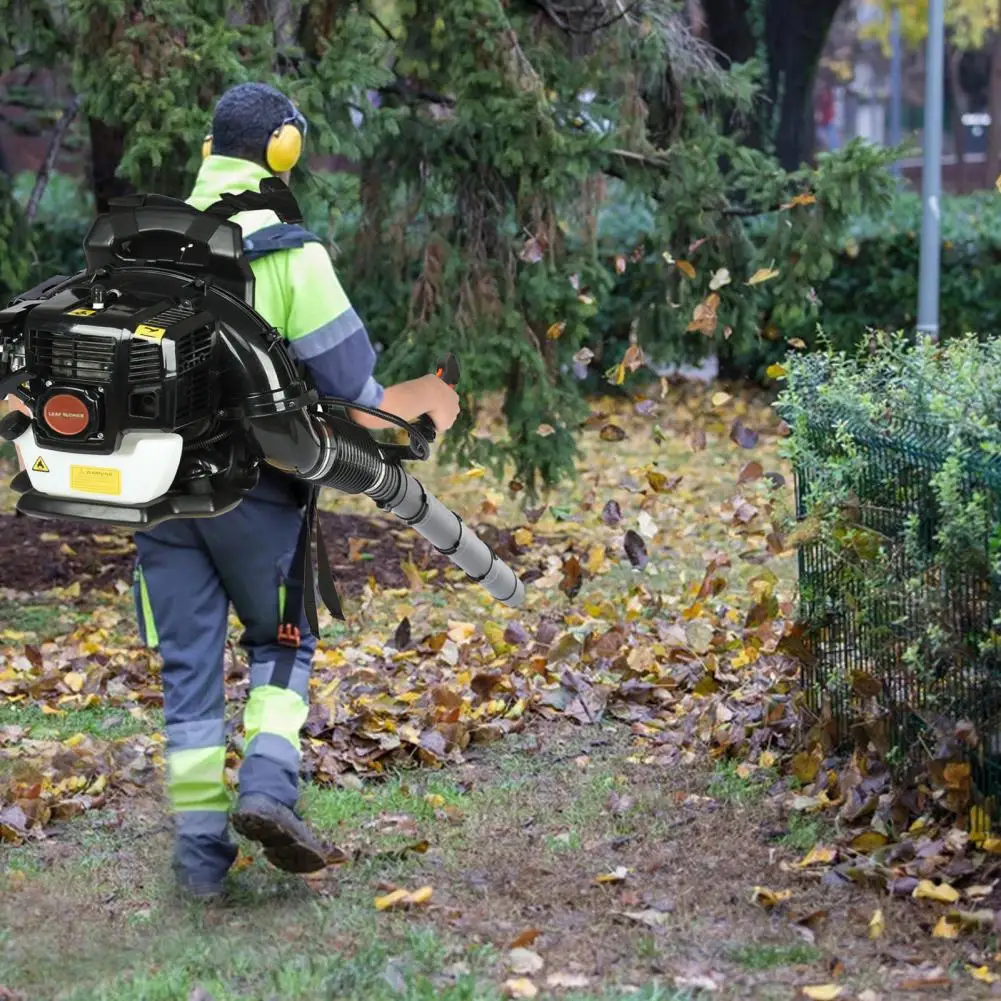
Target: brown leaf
611, 432
697, 440
742, 435
752, 471
635, 549
526, 938
573, 577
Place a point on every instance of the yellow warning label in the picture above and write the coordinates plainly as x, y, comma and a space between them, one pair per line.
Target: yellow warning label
81, 312
149, 333
39, 466
96, 480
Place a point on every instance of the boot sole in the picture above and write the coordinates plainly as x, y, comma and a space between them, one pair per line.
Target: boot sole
283, 848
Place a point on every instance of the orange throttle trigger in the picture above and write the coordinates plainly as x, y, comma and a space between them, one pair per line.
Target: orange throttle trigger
447, 370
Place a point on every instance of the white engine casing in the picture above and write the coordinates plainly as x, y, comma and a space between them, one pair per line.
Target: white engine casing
141, 471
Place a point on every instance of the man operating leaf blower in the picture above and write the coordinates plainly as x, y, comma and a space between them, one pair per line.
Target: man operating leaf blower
190, 570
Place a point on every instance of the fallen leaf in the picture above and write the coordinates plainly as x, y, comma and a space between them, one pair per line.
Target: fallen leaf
823, 992
943, 893
522, 960
400, 899
520, 987
877, 923
742, 435
566, 980
768, 898
983, 974
526, 938
685, 268
617, 876
635, 549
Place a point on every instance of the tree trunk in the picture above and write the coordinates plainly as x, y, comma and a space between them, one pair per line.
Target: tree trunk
794, 36
992, 165
107, 144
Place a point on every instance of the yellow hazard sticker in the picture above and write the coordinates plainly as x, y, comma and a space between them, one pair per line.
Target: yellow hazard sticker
149, 333
96, 480
39, 466
81, 312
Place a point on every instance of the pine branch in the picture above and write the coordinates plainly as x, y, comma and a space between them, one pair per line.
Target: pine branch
58, 135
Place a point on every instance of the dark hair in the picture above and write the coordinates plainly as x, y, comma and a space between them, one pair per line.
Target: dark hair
244, 119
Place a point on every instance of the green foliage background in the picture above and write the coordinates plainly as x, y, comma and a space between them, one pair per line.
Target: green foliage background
493, 206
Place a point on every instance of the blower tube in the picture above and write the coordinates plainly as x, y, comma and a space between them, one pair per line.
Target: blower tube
331, 451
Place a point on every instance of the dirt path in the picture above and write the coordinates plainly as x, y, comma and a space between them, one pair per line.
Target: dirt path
513, 845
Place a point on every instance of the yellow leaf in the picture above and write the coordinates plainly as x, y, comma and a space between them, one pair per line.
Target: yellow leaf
869, 841
421, 896
823, 992
555, 330
769, 898
775, 371
595, 558
475, 473
718, 280
613, 877
520, 987
52, 711
943, 893
818, 855
804, 199
767, 759
796, 342
434, 800
461, 632
877, 923
720, 398
992, 845
983, 974
391, 900
686, 269
74, 680
523, 537
762, 275
946, 928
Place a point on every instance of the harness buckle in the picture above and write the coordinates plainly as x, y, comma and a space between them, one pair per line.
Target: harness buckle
289, 635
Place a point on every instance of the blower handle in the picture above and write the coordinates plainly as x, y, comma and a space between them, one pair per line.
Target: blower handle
447, 369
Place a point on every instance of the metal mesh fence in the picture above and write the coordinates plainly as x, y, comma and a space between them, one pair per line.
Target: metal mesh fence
902, 638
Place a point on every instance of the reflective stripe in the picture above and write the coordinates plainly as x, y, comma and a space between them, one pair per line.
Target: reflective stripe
371, 394
195, 779
274, 710
274, 748
196, 733
327, 337
146, 610
261, 676
202, 822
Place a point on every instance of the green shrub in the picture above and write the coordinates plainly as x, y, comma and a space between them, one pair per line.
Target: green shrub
875, 282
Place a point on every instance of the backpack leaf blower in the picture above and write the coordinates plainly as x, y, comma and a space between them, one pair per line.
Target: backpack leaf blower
158, 392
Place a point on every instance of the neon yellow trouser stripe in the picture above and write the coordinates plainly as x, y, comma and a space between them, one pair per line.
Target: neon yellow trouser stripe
152, 638
195, 779
274, 710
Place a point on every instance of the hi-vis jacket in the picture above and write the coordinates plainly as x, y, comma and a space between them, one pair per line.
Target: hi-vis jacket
298, 293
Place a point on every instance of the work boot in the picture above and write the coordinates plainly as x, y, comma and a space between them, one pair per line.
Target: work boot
288, 842
201, 863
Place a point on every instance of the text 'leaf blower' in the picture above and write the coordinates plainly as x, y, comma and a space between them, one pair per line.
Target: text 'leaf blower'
157, 391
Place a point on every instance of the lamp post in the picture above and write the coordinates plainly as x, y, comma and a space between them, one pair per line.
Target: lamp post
931, 173
896, 84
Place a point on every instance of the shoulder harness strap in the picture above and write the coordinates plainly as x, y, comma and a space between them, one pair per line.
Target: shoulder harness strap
300, 592
281, 236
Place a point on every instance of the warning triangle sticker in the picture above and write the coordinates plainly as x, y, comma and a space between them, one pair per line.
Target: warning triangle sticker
39, 466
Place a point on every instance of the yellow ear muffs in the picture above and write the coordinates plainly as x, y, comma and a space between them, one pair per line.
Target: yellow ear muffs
207, 146
284, 148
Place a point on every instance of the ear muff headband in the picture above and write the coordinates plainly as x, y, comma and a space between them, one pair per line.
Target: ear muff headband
284, 147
